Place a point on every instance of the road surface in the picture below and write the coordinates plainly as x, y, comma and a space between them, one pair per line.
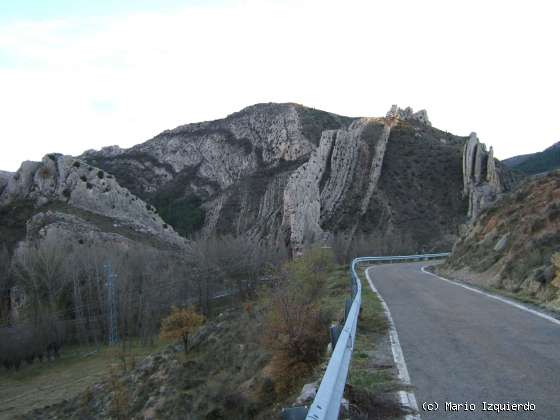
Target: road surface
464, 347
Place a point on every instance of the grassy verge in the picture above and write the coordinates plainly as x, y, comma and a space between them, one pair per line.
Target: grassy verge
372, 380
45, 383
364, 372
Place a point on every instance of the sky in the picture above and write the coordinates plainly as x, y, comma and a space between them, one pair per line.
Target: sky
78, 75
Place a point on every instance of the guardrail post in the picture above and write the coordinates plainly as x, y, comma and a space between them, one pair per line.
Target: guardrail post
347, 308
335, 333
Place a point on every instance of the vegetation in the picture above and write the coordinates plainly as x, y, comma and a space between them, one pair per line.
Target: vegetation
180, 324
232, 369
364, 374
185, 214
247, 360
555, 260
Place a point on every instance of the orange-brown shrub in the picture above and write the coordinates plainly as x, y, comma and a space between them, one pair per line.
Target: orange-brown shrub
180, 324
296, 328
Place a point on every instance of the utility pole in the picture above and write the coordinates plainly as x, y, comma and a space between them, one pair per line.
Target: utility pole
111, 305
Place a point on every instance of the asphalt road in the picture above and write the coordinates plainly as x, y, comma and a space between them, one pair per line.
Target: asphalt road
464, 347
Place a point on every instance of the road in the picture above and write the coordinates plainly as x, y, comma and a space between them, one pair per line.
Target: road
461, 346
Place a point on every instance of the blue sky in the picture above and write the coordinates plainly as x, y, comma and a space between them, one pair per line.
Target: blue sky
76, 75
15, 10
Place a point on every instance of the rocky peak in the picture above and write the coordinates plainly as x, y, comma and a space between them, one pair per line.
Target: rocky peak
408, 114
108, 151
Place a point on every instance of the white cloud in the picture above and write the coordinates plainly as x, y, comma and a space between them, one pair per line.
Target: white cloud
71, 85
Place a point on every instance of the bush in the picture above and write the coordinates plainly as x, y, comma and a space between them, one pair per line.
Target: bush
296, 328
180, 324
27, 342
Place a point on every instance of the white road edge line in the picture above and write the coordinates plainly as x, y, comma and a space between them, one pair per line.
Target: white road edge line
496, 297
407, 397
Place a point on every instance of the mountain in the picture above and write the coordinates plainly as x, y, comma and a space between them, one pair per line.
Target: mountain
276, 173
511, 244
536, 163
284, 172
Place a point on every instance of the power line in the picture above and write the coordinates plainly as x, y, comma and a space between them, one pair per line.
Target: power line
111, 305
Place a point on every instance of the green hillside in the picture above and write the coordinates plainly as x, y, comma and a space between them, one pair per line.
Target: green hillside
537, 163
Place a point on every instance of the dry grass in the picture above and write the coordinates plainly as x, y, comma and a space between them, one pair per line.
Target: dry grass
49, 382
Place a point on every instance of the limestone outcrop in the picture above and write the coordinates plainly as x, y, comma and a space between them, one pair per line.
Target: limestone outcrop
65, 181
408, 114
484, 178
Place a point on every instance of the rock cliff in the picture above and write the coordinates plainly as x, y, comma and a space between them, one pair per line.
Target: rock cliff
484, 178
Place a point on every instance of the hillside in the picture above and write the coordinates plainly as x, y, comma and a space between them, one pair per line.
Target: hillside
510, 245
536, 163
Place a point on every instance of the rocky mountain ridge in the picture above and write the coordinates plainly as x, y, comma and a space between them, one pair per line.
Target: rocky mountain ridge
284, 172
279, 173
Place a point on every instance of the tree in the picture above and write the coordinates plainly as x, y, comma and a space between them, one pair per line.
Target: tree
180, 324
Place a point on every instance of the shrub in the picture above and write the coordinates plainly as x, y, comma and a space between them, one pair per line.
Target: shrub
310, 271
100, 174
296, 334
180, 324
555, 260
296, 328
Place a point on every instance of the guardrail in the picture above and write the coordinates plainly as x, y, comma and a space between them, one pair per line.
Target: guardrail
326, 405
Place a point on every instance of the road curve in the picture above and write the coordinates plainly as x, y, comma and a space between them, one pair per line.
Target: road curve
464, 347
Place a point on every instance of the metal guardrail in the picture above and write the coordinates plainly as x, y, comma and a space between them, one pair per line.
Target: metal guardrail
326, 405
